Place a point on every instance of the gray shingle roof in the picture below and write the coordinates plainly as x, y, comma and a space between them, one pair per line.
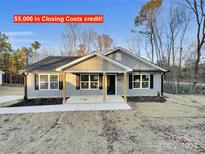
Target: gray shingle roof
49, 63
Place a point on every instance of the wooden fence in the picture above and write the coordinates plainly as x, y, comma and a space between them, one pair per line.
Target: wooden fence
13, 79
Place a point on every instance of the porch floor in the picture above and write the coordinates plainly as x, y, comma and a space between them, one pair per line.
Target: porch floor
94, 99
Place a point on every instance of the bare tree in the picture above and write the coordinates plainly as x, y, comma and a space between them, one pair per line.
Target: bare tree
104, 43
87, 39
77, 38
198, 9
71, 38
148, 17
175, 23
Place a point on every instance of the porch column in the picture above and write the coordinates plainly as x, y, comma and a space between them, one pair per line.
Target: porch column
64, 87
25, 86
104, 87
125, 86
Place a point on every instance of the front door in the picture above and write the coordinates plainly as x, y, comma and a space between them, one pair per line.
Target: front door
111, 84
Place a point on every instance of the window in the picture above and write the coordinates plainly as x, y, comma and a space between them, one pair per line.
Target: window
94, 81
89, 81
141, 81
118, 56
136, 81
145, 81
84, 81
54, 83
43, 82
48, 82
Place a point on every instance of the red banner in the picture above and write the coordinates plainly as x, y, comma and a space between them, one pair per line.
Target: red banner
26, 18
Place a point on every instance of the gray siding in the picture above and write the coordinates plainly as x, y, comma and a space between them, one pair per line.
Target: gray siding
32, 93
72, 91
95, 64
130, 61
139, 92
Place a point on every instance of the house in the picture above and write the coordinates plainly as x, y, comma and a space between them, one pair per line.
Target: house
118, 72
1, 77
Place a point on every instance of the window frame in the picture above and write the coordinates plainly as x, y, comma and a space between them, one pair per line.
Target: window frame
49, 81
118, 56
140, 81
89, 82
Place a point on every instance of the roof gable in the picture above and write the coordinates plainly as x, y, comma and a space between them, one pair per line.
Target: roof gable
81, 64
134, 61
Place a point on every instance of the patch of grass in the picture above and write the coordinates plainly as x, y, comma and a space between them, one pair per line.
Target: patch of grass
37, 102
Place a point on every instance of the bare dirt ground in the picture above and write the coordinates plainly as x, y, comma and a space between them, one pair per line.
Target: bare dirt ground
6, 90
176, 126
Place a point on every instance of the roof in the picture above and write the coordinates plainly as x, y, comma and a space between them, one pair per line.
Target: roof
61, 68
137, 57
49, 63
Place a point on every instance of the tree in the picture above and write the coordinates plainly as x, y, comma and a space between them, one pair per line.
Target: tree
35, 46
104, 43
81, 51
198, 9
5, 50
147, 18
71, 38
175, 24
76, 36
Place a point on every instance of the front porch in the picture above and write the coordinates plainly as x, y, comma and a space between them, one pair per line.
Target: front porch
94, 99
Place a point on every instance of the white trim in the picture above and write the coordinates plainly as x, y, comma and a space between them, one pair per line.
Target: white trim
141, 74
135, 56
95, 72
92, 55
89, 82
115, 82
49, 82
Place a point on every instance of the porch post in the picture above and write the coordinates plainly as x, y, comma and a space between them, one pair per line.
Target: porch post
25, 86
104, 87
64, 87
125, 86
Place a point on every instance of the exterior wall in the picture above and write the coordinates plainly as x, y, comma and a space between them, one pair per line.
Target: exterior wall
95, 64
139, 92
71, 87
72, 91
1, 73
32, 93
129, 61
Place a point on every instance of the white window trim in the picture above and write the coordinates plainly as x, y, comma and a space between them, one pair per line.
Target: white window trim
89, 82
39, 76
118, 56
140, 81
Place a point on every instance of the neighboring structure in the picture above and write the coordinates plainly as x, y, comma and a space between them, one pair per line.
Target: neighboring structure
118, 72
1, 77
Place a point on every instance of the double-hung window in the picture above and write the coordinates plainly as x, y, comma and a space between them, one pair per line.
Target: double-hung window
141, 81
89, 81
49, 82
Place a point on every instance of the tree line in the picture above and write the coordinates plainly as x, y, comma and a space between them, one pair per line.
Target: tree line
13, 60
168, 37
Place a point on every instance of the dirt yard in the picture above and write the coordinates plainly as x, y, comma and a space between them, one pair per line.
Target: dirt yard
177, 126
6, 90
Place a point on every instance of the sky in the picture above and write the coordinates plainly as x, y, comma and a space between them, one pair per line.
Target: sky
119, 18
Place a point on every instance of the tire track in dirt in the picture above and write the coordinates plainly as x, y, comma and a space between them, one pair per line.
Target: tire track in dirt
109, 131
168, 135
56, 122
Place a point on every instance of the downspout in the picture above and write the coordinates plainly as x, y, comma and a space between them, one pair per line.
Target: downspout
162, 83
